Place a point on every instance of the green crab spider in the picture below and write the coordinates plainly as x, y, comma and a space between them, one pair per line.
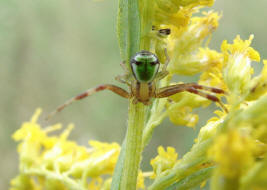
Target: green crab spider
142, 79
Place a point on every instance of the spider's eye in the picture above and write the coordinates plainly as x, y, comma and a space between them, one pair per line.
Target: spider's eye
154, 63
138, 63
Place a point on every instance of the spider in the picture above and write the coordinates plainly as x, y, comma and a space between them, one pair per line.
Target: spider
142, 79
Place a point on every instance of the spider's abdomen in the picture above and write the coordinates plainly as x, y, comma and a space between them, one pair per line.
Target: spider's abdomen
143, 92
145, 66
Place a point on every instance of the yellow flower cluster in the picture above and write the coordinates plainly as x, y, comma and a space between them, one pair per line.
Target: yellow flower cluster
240, 136
188, 57
238, 57
185, 48
229, 70
185, 43
233, 152
54, 162
164, 161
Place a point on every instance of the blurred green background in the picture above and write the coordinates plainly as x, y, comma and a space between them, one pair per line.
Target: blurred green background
51, 50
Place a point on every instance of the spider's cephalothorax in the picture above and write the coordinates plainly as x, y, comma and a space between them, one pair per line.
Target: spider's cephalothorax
145, 66
142, 81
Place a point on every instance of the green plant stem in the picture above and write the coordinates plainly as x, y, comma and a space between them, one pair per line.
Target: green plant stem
133, 152
157, 115
70, 183
192, 180
155, 119
128, 29
146, 23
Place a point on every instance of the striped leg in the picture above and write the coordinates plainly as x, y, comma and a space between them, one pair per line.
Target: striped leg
205, 88
89, 92
192, 88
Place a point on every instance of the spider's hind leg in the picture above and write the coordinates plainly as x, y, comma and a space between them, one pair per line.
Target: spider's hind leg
209, 97
192, 88
205, 88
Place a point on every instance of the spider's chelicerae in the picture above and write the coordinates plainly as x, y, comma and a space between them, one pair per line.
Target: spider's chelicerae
142, 79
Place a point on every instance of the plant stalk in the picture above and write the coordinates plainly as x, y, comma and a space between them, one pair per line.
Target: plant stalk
133, 153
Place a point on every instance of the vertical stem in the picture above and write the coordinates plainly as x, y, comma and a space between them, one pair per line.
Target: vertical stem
146, 24
133, 153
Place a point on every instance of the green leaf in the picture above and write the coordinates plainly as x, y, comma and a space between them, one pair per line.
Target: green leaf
116, 179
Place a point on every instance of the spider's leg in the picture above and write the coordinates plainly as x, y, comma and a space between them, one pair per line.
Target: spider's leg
126, 77
124, 67
170, 90
167, 58
174, 89
209, 97
89, 92
163, 73
205, 88
123, 79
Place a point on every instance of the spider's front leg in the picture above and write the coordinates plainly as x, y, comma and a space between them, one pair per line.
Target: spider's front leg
163, 73
121, 92
125, 79
192, 88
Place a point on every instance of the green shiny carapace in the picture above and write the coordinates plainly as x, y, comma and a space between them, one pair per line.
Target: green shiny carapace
145, 66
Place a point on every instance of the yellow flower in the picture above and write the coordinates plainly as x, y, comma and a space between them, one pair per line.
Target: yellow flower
238, 71
183, 116
240, 47
212, 76
233, 152
23, 182
185, 44
96, 183
210, 129
53, 161
164, 161
173, 6
180, 110
63, 152
140, 180
32, 137
177, 19
101, 160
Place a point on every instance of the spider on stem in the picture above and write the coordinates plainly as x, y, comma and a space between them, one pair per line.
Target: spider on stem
142, 79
